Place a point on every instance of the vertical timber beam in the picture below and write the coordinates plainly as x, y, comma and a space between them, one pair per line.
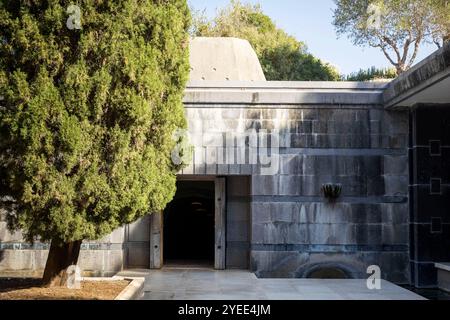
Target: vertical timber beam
220, 224
156, 240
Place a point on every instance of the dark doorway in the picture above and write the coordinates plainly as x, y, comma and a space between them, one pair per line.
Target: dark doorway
189, 225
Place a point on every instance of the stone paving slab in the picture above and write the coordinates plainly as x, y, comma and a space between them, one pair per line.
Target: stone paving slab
207, 284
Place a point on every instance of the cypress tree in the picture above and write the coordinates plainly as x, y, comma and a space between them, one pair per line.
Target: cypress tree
91, 96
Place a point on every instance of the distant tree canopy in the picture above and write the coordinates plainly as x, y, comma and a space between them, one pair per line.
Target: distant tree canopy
397, 27
440, 21
372, 74
89, 108
282, 56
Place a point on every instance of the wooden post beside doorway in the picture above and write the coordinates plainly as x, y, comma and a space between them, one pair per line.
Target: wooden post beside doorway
220, 223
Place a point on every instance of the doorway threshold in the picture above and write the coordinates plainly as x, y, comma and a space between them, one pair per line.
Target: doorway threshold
188, 264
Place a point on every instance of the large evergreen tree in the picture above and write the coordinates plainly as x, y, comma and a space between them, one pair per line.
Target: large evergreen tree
92, 93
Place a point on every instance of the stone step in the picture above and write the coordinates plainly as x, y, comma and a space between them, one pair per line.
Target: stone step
443, 275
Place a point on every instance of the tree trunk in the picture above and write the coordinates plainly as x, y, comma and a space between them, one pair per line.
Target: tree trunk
446, 39
60, 257
400, 68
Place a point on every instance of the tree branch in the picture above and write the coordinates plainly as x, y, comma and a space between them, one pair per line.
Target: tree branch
414, 55
406, 50
388, 56
393, 46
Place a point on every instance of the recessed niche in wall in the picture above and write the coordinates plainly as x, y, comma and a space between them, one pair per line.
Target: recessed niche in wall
435, 186
436, 225
435, 147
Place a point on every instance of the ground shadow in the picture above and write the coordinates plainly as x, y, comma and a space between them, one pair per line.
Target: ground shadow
11, 284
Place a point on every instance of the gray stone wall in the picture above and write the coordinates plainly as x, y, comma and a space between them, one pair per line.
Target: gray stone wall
137, 244
279, 225
293, 229
98, 258
238, 223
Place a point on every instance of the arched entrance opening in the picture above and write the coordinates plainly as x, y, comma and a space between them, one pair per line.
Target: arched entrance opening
327, 270
328, 273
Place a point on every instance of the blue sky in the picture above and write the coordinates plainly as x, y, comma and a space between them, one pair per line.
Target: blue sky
311, 21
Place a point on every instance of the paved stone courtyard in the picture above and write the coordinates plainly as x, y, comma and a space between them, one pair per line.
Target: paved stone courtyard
207, 284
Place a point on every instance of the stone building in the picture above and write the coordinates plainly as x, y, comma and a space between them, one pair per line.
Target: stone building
252, 197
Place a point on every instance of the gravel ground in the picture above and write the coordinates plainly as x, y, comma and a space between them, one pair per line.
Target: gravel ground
30, 289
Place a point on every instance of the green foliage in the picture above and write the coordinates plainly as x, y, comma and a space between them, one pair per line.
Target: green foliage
397, 27
440, 20
282, 56
88, 114
372, 74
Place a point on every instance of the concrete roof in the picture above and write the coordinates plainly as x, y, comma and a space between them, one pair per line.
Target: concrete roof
224, 59
284, 93
427, 82
227, 71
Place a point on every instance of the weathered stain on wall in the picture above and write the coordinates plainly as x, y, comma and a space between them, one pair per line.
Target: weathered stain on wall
362, 146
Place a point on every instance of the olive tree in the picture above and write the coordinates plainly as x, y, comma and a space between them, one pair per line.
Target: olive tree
396, 27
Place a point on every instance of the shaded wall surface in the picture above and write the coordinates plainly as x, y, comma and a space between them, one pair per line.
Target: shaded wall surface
238, 228
429, 191
295, 230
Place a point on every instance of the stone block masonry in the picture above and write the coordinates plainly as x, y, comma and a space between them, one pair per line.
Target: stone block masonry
345, 138
279, 224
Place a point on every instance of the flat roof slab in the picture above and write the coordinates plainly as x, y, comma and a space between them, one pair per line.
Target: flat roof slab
427, 82
283, 93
